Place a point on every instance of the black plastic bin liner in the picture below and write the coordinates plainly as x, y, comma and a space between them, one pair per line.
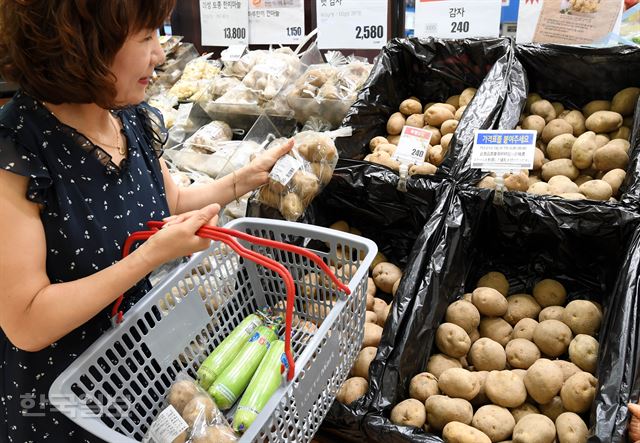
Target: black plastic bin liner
593, 250
432, 70
573, 76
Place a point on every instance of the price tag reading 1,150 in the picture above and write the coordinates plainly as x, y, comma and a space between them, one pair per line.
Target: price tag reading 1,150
367, 32
235, 33
295, 31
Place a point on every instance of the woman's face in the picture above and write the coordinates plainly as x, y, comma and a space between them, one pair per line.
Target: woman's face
133, 65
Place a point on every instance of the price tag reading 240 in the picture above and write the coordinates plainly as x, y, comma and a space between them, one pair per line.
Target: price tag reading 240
413, 146
224, 23
457, 18
352, 24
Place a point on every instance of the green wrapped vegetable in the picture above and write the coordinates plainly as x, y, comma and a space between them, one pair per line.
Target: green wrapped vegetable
226, 351
234, 379
264, 383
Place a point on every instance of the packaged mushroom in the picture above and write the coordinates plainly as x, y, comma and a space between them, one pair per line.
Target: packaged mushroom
300, 175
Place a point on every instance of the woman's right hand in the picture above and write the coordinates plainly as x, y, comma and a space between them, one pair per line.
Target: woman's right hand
178, 237
634, 423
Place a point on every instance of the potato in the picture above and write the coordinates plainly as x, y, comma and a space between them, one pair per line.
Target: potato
423, 386
496, 328
291, 206
603, 121
449, 127
410, 412
446, 106
371, 317
595, 106
544, 109
396, 285
466, 96
506, 389
436, 155
379, 307
459, 113
442, 410
560, 184
375, 141
386, 147
543, 380
624, 102
524, 329
560, 146
454, 101
395, 124
436, 115
372, 335
487, 355
415, 120
200, 406
583, 150
568, 368
583, 351
445, 141
597, 190
423, 169
213, 434
517, 182
573, 196
622, 133
619, 143
463, 314
523, 410
552, 337
436, 135
578, 392
438, 363
521, 353
487, 182
495, 280
601, 140
549, 292
532, 97
480, 399
181, 393
540, 188
496, 422
384, 159
363, 360
553, 408
610, 157
394, 139
561, 166
452, 340
521, 306
535, 123
456, 432
489, 301
558, 107
352, 389
582, 180
551, 313
576, 120
571, 428
385, 275
538, 159
410, 106
583, 317
458, 383
534, 428
615, 178
556, 127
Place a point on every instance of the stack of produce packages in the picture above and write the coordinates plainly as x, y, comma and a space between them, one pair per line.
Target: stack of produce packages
363, 197
519, 315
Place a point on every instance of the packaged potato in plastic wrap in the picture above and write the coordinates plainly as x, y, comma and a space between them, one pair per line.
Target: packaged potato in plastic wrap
218, 87
346, 82
201, 68
299, 176
240, 68
207, 138
190, 415
270, 75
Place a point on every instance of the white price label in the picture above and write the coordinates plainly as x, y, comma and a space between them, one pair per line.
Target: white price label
351, 24
167, 426
284, 169
276, 22
224, 23
498, 151
413, 146
457, 18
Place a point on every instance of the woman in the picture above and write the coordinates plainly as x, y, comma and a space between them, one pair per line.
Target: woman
81, 169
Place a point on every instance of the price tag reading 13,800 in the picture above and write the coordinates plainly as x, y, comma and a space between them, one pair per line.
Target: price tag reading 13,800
352, 24
224, 23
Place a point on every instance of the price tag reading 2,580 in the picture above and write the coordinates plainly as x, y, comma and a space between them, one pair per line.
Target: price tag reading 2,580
352, 24
369, 32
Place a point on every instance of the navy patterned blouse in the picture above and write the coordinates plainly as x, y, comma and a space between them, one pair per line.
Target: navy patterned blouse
89, 207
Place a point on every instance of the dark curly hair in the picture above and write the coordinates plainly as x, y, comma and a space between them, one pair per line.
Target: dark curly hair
59, 51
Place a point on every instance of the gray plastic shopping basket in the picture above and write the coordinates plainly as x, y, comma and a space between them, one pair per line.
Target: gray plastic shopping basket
117, 386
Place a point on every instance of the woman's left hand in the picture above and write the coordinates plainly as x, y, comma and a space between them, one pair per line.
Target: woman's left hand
634, 423
261, 165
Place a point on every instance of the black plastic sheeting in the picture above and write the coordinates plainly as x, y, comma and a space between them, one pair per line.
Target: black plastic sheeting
573, 76
432, 70
593, 249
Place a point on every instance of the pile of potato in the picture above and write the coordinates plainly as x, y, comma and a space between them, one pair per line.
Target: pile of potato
439, 118
385, 277
511, 368
580, 154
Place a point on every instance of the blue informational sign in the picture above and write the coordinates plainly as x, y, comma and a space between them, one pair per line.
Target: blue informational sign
503, 150
509, 11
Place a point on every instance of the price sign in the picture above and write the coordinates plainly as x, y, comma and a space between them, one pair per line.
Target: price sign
508, 151
284, 169
413, 146
224, 23
351, 24
457, 18
276, 22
